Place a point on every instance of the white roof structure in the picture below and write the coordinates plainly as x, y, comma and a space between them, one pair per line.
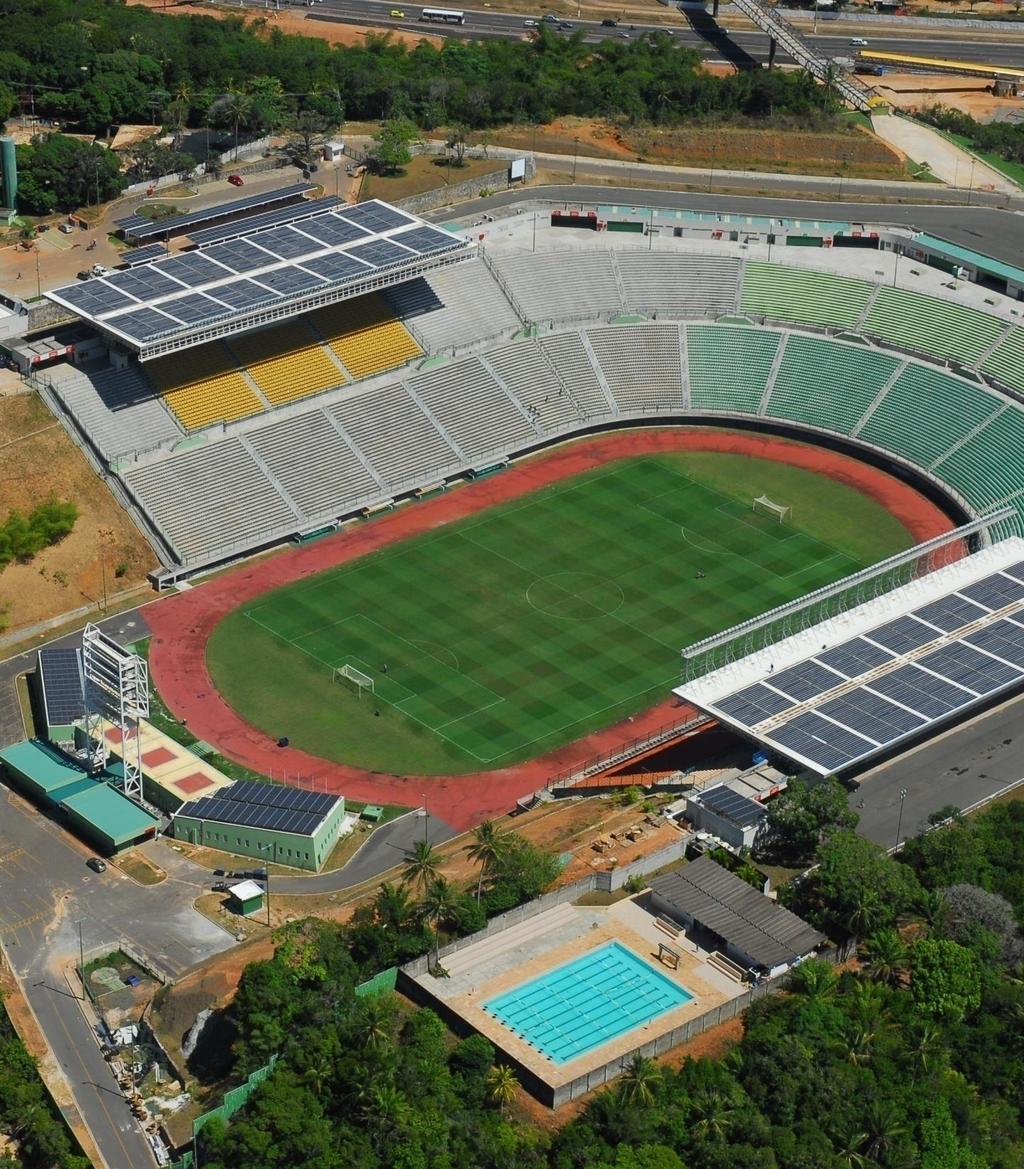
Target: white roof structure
845, 690
262, 276
246, 890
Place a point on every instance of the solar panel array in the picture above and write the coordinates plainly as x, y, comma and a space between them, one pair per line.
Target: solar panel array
143, 255
286, 260
733, 805
140, 227
852, 700
264, 805
60, 673
226, 231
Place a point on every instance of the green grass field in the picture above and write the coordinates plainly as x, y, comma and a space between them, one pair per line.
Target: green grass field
527, 626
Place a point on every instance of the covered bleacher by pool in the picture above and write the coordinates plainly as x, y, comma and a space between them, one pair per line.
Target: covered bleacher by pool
859, 685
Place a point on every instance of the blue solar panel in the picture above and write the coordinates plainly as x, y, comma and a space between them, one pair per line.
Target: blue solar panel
292, 214
1002, 638
949, 613
994, 591
95, 296
805, 680
239, 255
145, 255
145, 323
139, 227
143, 283
809, 743
919, 690
425, 240
193, 269
381, 253
289, 281
285, 243
243, 294
854, 657
754, 704
193, 310
902, 635
968, 667
331, 230
872, 716
376, 216
337, 267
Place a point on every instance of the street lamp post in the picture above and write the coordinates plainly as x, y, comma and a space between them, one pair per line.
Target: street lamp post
899, 818
575, 152
81, 959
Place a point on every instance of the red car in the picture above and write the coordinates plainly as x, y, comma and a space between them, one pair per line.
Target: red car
236, 180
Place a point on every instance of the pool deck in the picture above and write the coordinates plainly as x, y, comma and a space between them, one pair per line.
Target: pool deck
531, 949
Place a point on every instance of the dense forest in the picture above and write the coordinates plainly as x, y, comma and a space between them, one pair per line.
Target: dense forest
910, 1057
97, 63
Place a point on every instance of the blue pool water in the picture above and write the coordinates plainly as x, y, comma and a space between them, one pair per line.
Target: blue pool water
577, 1007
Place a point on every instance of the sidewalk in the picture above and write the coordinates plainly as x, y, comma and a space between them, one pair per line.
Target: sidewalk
953, 165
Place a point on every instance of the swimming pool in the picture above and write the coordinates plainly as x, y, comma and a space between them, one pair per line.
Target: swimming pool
577, 1007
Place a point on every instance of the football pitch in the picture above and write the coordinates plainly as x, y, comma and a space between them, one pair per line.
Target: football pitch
519, 629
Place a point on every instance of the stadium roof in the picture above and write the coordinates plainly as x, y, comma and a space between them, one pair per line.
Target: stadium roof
969, 256
853, 687
264, 805
240, 227
143, 255
726, 905
63, 686
140, 228
234, 285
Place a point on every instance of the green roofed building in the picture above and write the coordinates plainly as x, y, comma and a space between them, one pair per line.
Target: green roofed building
88, 805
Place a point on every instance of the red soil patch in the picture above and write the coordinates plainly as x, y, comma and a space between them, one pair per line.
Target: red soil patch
183, 624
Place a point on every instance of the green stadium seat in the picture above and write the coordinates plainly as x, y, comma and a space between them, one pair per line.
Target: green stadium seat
729, 366
798, 294
1006, 361
933, 326
990, 465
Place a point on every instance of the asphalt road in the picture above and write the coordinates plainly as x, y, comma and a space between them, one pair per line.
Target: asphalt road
965, 45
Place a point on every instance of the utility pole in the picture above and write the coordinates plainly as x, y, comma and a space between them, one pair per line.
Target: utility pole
899, 819
81, 959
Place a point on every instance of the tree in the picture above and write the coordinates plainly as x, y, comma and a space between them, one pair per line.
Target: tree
8, 101
885, 957
814, 979
59, 173
421, 864
310, 134
982, 921
639, 1082
487, 850
804, 817
390, 150
455, 143
440, 909
710, 1114
945, 979
151, 160
501, 1086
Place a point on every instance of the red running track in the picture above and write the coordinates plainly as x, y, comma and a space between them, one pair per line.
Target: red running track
182, 624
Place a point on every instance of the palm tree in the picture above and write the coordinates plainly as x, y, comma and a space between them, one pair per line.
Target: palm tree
374, 1028
860, 1040
385, 1111
814, 979
712, 1113
885, 956
438, 909
884, 1123
421, 864
501, 1086
848, 1142
864, 915
639, 1081
926, 1048
392, 906
487, 850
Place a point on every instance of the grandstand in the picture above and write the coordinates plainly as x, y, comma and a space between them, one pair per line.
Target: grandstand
457, 367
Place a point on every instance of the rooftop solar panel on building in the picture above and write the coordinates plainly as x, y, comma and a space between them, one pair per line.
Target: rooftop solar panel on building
804, 680
376, 216
280, 796
902, 635
949, 613
932, 697
813, 747
337, 267
754, 704
1016, 570
194, 309
239, 256
297, 211
425, 240
289, 281
144, 255
242, 294
331, 230
1002, 638
130, 221
144, 283
60, 672
854, 657
733, 806
94, 296
968, 667
872, 716
381, 253
994, 591
285, 243
146, 323
193, 269
139, 227
252, 815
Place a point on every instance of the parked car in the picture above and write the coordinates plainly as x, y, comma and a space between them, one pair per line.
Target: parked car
236, 180
96, 864
220, 887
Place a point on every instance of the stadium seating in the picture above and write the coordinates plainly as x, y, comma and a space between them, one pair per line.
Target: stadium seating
679, 285
798, 294
313, 463
212, 501
642, 365
453, 308
925, 412
562, 286
1006, 361
115, 407
286, 362
400, 442
729, 366
203, 386
529, 376
473, 409
827, 384
989, 466
572, 363
932, 326
365, 336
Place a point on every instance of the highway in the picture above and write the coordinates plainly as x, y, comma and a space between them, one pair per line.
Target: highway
969, 45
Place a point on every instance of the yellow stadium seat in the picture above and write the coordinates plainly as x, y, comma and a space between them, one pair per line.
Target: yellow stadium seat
365, 335
287, 363
202, 386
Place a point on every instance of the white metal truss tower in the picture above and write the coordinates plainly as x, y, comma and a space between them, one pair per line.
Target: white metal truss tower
116, 689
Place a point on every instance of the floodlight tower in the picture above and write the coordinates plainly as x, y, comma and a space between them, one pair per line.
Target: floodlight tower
117, 689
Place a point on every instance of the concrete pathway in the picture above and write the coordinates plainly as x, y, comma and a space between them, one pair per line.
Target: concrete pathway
953, 165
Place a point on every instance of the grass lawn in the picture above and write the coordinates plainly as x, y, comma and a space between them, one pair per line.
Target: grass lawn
509, 633
425, 173
1013, 170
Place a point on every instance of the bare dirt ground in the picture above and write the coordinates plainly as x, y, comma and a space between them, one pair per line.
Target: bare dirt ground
915, 91
38, 459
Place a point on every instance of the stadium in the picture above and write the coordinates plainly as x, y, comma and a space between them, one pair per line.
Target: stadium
524, 466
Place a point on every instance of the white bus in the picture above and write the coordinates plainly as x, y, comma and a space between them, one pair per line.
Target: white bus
443, 16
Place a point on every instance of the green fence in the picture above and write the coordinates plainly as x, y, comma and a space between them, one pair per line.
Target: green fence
379, 983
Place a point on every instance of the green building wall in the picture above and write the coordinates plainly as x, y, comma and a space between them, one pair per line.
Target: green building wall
264, 844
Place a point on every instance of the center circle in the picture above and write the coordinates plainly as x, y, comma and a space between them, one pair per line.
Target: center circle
575, 596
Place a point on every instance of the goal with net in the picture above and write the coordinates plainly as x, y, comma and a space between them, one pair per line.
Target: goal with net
765, 506
355, 679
